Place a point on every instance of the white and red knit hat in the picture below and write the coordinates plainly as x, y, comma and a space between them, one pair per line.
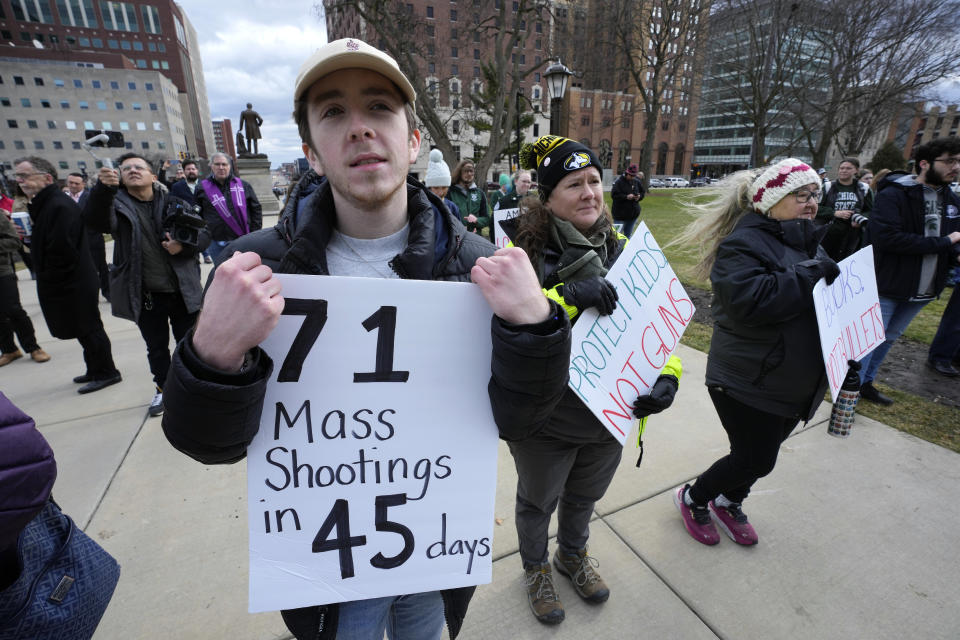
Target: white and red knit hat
779, 179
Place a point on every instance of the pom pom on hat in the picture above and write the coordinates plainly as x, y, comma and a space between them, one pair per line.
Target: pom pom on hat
779, 179
438, 173
554, 157
504, 180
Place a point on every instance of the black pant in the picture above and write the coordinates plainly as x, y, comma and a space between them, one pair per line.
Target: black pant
97, 353
13, 319
755, 438
98, 250
160, 313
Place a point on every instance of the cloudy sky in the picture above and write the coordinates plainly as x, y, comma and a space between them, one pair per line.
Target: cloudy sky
252, 50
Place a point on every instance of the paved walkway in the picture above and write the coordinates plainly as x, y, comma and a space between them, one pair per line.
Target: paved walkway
858, 537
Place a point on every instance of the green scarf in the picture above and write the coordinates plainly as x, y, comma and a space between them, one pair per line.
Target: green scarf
580, 257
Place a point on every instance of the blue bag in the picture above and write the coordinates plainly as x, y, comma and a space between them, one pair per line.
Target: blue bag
65, 583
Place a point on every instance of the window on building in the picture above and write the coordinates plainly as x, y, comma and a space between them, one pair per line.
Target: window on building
119, 16
456, 126
454, 53
58, 83
57, 144
32, 124
114, 85
64, 165
51, 124
5, 102
162, 47
118, 105
141, 126
128, 145
585, 121
113, 44
77, 83
141, 63
157, 126
137, 45
6, 35
430, 30
38, 145
429, 11
18, 144
38, 82
84, 42
101, 105
453, 15
75, 144
148, 86
98, 43
152, 46
454, 69
154, 64
153, 106
24, 102
12, 124
32, 12
144, 145
70, 124
88, 124
125, 45
136, 106
164, 64
124, 126
161, 145
132, 86
106, 126
18, 80
95, 84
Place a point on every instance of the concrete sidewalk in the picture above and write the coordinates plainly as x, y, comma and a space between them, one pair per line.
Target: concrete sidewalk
858, 536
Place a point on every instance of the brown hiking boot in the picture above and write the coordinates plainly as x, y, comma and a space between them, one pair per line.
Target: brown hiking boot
542, 595
580, 569
39, 355
7, 358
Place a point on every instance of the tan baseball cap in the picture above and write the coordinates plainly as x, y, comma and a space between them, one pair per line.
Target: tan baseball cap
350, 53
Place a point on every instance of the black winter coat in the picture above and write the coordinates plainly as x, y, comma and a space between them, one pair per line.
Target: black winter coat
896, 232
212, 416
765, 350
624, 209
113, 210
67, 283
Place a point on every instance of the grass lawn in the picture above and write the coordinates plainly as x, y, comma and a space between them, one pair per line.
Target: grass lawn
936, 423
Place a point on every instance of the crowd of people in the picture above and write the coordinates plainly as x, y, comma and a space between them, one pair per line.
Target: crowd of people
768, 235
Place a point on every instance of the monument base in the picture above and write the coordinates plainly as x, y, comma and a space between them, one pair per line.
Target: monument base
256, 171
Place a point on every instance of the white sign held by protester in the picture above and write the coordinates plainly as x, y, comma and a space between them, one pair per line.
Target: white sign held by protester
848, 316
499, 237
616, 358
374, 470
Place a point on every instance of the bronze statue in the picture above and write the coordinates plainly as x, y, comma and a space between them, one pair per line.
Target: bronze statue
252, 120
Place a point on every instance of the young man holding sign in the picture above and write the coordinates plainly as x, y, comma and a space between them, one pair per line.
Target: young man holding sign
354, 110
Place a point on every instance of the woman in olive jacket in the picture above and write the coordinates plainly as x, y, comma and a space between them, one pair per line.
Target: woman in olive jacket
765, 372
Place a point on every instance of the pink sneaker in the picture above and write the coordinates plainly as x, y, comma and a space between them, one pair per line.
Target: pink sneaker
696, 519
734, 523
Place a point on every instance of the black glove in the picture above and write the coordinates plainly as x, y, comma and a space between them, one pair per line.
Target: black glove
592, 292
660, 396
828, 269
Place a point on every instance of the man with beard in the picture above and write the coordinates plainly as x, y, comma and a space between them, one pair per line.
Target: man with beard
914, 228
186, 189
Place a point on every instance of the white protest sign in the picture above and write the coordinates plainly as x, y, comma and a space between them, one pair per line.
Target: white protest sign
616, 358
499, 237
374, 470
848, 316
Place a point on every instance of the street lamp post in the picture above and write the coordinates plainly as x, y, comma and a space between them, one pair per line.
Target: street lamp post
557, 76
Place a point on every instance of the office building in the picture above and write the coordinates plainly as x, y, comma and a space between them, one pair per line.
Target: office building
48, 105
149, 35
223, 137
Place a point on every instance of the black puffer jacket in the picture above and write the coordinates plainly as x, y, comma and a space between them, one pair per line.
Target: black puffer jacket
765, 350
212, 417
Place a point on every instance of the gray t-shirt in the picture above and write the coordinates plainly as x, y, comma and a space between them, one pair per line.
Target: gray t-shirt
933, 205
347, 256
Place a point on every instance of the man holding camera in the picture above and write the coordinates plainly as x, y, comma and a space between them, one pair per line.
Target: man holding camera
155, 279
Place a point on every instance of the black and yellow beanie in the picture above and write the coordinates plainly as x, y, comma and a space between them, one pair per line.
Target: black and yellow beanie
554, 157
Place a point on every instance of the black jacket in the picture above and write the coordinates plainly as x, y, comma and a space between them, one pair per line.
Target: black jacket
219, 230
897, 234
182, 191
67, 284
212, 417
765, 350
624, 209
112, 210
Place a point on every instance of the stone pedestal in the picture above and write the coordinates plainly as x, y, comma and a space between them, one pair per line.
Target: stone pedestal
256, 171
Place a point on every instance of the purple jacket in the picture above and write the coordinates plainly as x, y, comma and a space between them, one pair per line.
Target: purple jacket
27, 471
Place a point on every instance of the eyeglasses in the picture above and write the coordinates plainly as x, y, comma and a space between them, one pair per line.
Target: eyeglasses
950, 162
24, 176
134, 167
803, 196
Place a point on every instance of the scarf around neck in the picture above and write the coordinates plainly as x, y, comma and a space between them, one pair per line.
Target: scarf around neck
580, 257
240, 227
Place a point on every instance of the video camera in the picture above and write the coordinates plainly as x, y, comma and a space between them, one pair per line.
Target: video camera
183, 222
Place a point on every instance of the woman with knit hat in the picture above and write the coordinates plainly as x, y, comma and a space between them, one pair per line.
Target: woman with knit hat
765, 371
438, 179
563, 454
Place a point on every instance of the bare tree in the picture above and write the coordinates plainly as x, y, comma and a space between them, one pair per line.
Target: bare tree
875, 57
758, 49
656, 44
495, 28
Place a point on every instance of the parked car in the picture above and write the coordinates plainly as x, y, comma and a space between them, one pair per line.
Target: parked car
676, 181
656, 182
699, 182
